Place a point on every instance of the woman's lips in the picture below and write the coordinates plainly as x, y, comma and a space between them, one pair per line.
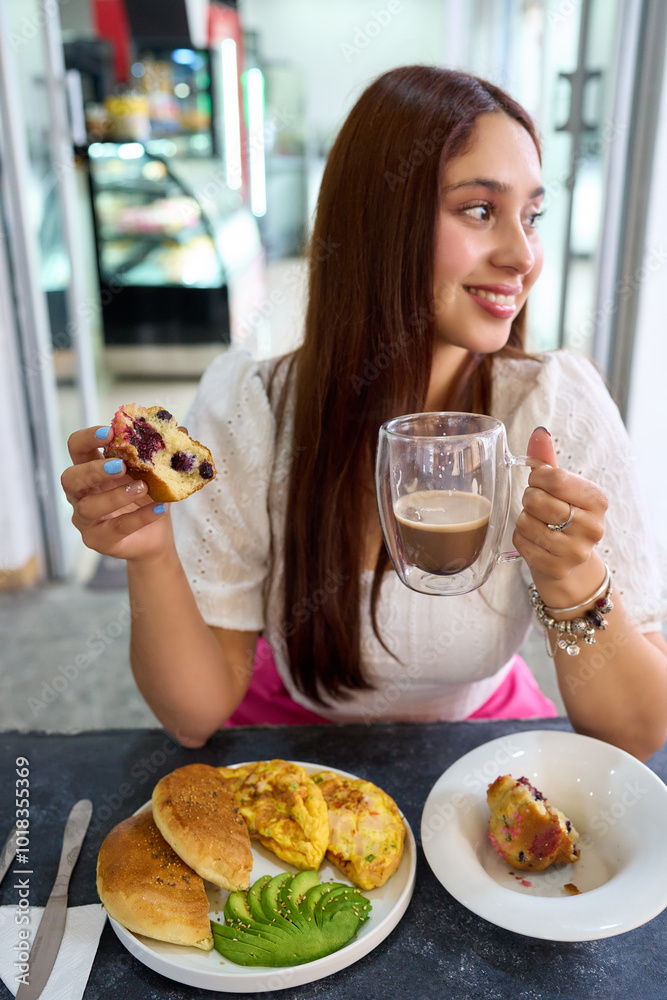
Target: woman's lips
494, 303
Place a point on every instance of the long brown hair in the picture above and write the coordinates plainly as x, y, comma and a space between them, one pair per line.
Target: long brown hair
367, 353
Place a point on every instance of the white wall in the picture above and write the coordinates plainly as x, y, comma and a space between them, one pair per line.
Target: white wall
647, 411
341, 47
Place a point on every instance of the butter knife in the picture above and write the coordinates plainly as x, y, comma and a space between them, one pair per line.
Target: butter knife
8, 853
50, 932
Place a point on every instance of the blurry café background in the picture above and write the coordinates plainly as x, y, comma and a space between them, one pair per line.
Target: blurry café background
159, 169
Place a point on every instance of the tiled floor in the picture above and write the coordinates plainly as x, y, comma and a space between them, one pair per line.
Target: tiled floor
64, 647
66, 668
65, 661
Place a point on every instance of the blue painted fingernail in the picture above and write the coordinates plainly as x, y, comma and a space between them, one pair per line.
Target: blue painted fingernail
102, 432
159, 508
113, 465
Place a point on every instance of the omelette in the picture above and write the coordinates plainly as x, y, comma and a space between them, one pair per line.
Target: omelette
284, 809
367, 832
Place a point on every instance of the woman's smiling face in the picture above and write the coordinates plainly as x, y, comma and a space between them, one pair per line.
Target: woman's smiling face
488, 254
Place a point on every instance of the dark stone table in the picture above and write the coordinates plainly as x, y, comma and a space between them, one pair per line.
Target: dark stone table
439, 949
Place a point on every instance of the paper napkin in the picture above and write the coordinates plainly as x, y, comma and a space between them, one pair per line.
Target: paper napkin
75, 959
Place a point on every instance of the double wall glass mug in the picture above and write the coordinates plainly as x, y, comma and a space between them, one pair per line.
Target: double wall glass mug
442, 482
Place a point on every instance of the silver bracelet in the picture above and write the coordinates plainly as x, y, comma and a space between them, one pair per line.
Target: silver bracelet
571, 630
598, 593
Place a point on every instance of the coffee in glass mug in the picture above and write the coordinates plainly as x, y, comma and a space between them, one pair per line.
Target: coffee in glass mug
443, 492
442, 531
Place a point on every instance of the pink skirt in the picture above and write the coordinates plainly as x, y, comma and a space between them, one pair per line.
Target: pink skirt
267, 701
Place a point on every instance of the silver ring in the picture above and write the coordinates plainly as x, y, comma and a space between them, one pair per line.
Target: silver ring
561, 527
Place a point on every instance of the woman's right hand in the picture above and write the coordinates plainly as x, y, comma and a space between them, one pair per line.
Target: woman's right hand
114, 513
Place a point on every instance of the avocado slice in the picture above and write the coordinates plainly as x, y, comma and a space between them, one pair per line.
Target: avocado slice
338, 890
269, 896
253, 897
342, 926
302, 920
258, 934
291, 891
246, 948
346, 904
236, 908
315, 894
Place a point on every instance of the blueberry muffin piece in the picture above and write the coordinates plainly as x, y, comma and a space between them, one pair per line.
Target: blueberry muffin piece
525, 830
155, 449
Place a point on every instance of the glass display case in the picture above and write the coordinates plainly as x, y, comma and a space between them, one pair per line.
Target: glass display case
160, 224
173, 95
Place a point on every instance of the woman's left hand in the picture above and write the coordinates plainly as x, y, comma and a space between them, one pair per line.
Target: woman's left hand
562, 563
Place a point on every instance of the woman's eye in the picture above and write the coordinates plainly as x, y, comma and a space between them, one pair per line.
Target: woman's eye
480, 212
533, 218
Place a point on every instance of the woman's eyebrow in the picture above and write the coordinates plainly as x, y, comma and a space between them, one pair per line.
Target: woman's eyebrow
499, 187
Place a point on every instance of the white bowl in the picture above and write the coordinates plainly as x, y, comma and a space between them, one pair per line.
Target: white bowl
617, 804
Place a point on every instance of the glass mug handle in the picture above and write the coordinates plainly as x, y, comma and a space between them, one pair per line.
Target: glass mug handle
512, 462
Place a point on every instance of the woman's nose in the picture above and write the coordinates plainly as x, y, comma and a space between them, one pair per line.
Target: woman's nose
514, 248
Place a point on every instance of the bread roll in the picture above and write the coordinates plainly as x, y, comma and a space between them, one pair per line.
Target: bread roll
197, 815
147, 888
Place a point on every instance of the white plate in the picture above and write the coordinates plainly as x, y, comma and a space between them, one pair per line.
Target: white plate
210, 971
617, 804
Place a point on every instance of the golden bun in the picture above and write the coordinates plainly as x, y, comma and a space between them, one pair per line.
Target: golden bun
147, 888
197, 816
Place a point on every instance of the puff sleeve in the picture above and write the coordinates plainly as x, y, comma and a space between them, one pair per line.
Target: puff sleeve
223, 532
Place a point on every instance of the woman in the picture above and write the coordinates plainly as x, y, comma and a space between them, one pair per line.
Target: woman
423, 253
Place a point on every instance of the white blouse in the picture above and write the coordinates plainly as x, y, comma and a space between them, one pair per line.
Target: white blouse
452, 652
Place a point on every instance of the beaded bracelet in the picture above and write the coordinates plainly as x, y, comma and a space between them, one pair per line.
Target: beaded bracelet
570, 631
